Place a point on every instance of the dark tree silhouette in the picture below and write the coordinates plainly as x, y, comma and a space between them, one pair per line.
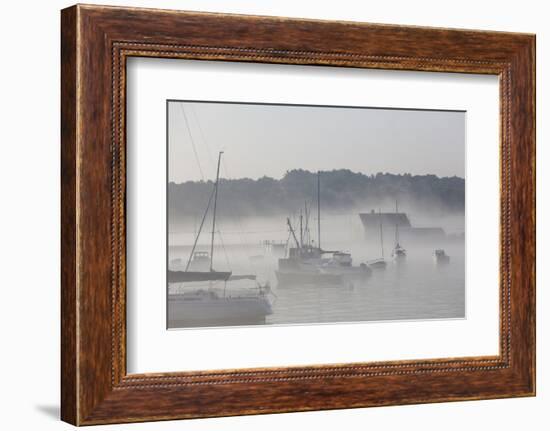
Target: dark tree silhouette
341, 190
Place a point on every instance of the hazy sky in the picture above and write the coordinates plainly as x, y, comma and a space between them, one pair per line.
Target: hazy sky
268, 140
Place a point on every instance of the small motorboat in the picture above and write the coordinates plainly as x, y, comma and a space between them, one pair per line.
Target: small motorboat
399, 254
440, 257
378, 264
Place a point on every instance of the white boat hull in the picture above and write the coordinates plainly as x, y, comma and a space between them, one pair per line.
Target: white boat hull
228, 311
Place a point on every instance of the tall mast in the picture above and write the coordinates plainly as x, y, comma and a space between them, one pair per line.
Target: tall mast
214, 213
199, 232
319, 209
306, 240
396, 225
301, 229
381, 237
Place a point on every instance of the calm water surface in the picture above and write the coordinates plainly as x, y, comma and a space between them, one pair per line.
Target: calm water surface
416, 289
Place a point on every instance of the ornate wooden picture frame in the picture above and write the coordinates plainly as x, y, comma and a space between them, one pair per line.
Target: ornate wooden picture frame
96, 41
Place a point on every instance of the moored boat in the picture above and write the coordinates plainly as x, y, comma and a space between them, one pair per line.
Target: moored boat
198, 307
440, 257
341, 263
399, 254
310, 264
195, 298
379, 264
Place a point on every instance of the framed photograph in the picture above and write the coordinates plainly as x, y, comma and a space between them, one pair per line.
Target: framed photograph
266, 215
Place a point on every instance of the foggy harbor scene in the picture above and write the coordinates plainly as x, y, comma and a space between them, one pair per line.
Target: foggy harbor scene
296, 214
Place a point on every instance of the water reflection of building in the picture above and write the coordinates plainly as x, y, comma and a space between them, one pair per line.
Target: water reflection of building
388, 221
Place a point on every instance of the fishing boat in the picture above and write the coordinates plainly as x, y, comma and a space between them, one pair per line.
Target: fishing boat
304, 264
440, 257
311, 264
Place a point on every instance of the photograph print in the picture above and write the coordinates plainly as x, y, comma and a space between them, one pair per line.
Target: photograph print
307, 214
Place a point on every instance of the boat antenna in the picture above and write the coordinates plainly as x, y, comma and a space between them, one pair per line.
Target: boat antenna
319, 209
214, 212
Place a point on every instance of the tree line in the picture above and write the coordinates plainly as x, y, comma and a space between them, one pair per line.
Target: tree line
341, 191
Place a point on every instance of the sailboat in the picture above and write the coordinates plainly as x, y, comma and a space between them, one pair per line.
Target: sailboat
194, 301
399, 254
381, 262
202, 305
211, 274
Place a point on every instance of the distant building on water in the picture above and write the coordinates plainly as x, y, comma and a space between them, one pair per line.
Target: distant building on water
372, 221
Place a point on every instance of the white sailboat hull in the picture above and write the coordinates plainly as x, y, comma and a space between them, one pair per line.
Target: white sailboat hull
219, 311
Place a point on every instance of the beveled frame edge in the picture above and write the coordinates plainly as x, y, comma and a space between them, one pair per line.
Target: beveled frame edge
96, 41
